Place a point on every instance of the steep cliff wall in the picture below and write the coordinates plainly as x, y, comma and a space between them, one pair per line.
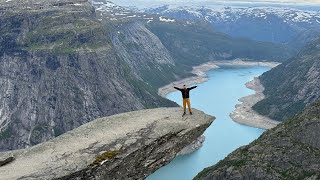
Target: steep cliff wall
124, 146
61, 69
146, 54
293, 85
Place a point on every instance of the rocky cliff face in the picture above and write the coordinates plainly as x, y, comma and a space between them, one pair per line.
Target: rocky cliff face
125, 146
61, 68
145, 53
293, 85
289, 151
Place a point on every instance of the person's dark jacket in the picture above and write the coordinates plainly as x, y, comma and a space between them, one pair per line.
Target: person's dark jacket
185, 92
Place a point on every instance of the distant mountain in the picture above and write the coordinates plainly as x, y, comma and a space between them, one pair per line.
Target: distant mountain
278, 25
289, 151
293, 85
195, 43
191, 42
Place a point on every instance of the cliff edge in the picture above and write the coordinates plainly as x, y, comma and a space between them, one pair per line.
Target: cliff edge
124, 146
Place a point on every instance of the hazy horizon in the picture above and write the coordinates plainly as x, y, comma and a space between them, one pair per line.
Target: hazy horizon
301, 4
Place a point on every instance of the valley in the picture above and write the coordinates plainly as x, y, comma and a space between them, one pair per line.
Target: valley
67, 63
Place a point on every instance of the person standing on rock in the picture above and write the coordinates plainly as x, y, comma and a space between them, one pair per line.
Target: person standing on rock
186, 98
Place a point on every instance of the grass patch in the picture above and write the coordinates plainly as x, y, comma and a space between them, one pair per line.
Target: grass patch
105, 156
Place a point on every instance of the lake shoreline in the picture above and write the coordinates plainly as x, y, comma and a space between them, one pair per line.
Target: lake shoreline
244, 114
243, 111
218, 96
201, 76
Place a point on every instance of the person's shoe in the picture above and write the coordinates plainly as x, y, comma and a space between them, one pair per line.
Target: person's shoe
190, 113
184, 114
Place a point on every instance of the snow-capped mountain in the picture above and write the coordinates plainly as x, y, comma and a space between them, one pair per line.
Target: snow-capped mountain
258, 23
110, 11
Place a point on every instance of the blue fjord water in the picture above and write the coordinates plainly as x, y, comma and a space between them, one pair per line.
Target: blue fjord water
218, 96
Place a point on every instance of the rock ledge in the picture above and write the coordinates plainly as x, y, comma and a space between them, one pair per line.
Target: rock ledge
124, 146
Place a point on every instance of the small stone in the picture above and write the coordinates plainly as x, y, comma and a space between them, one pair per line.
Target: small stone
118, 147
130, 141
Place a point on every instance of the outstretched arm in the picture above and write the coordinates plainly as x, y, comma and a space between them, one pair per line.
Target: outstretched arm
192, 87
177, 88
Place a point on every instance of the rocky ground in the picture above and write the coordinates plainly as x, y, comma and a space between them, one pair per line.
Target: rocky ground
124, 146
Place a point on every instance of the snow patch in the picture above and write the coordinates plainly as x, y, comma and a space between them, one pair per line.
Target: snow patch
77, 4
132, 16
120, 14
222, 13
163, 19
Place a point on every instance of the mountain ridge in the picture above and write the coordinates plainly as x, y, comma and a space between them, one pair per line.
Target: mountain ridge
279, 25
291, 86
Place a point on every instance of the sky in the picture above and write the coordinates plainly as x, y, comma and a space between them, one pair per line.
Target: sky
309, 3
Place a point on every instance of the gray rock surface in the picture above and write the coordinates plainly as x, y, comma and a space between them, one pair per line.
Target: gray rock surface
195, 145
124, 146
290, 151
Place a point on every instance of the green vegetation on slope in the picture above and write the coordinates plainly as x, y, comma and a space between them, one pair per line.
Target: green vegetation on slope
191, 45
293, 85
291, 151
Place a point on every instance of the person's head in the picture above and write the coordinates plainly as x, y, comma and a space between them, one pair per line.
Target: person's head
184, 87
